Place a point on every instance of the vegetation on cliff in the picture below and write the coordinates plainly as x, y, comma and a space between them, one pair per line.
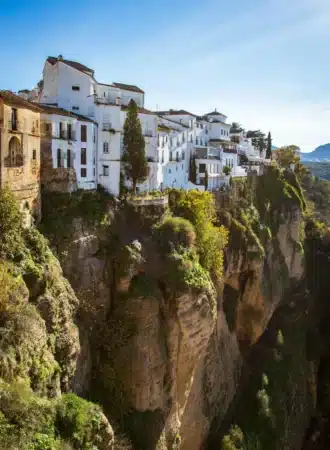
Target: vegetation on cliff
39, 346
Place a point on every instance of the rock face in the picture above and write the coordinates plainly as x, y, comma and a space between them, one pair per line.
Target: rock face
168, 364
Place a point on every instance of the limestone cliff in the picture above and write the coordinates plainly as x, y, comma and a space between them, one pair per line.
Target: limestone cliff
166, 337
39, 347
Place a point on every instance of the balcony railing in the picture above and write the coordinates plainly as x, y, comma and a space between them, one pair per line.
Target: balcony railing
63, 134
105, 100
208, 153
72, 136
107, 126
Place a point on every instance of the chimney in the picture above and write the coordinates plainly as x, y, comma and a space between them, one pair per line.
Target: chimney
118, 101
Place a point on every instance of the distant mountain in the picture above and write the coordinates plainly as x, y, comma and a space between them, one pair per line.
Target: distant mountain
320, 169
321, 153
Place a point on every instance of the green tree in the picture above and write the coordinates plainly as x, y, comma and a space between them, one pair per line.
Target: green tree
192, 169
134, 157
236, 127
287, 155
258, 138
226, 170
269, 146
206, 180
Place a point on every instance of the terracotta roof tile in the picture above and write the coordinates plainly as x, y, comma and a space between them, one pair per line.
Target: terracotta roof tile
15, 100
76, 65
140, 110
63, 112
176, 112
128, 87
215, 113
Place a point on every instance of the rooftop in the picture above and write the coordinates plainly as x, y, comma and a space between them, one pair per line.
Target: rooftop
76, 65
128, 87
12, 99
175, 112
63, 112
215, 113
140, 110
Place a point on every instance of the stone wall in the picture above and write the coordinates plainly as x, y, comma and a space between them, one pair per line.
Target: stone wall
22, 179
55, 179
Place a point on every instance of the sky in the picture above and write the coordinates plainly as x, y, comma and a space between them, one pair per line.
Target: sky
263, 63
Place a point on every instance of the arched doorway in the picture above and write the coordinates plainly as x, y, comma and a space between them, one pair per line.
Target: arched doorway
15, 152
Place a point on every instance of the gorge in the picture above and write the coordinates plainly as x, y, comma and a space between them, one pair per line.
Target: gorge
201, 324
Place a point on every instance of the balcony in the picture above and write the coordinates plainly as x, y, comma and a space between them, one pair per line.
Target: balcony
107, 126
105, 100
208, 153
63, 134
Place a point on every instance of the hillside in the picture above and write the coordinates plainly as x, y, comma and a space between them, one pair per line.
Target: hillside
321, 153
319, 169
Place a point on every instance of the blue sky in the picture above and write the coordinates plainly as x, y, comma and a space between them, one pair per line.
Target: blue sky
264, 63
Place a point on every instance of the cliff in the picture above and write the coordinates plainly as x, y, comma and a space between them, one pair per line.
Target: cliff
39, 347
172, 322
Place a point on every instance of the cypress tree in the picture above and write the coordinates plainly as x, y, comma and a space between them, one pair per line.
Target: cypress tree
134, 156
206, 180
269, 146
192, 169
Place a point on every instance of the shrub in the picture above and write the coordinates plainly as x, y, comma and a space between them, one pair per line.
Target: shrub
175, 232
226, 170
234, 440
11, 225
199, 208
79, 421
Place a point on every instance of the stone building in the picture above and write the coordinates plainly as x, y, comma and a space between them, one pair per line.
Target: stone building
20, 151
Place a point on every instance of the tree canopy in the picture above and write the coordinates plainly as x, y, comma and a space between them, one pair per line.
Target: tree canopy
134, 158
287, 155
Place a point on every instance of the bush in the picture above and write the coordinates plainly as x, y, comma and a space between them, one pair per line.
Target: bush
79, 421
199, 208
175, 232
11, 225
234, 440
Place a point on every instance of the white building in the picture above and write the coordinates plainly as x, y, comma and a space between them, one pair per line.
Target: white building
72, 86
172, 137
72, 143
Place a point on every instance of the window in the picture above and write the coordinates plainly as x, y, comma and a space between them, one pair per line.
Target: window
15, 158
105, 147
75, 108
83, 131
83, 156
34, 154
171, 156
183, 155
191, 138
83, 172
69, 131
62, 133
69, 159
105, 171
202, 168
37, 124
59, 158
94, 172
169, 170
76, 88
182, 166
14, 119
221, 132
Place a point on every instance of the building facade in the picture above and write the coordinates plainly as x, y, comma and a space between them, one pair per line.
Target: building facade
68, 150
20, 151
172, 137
